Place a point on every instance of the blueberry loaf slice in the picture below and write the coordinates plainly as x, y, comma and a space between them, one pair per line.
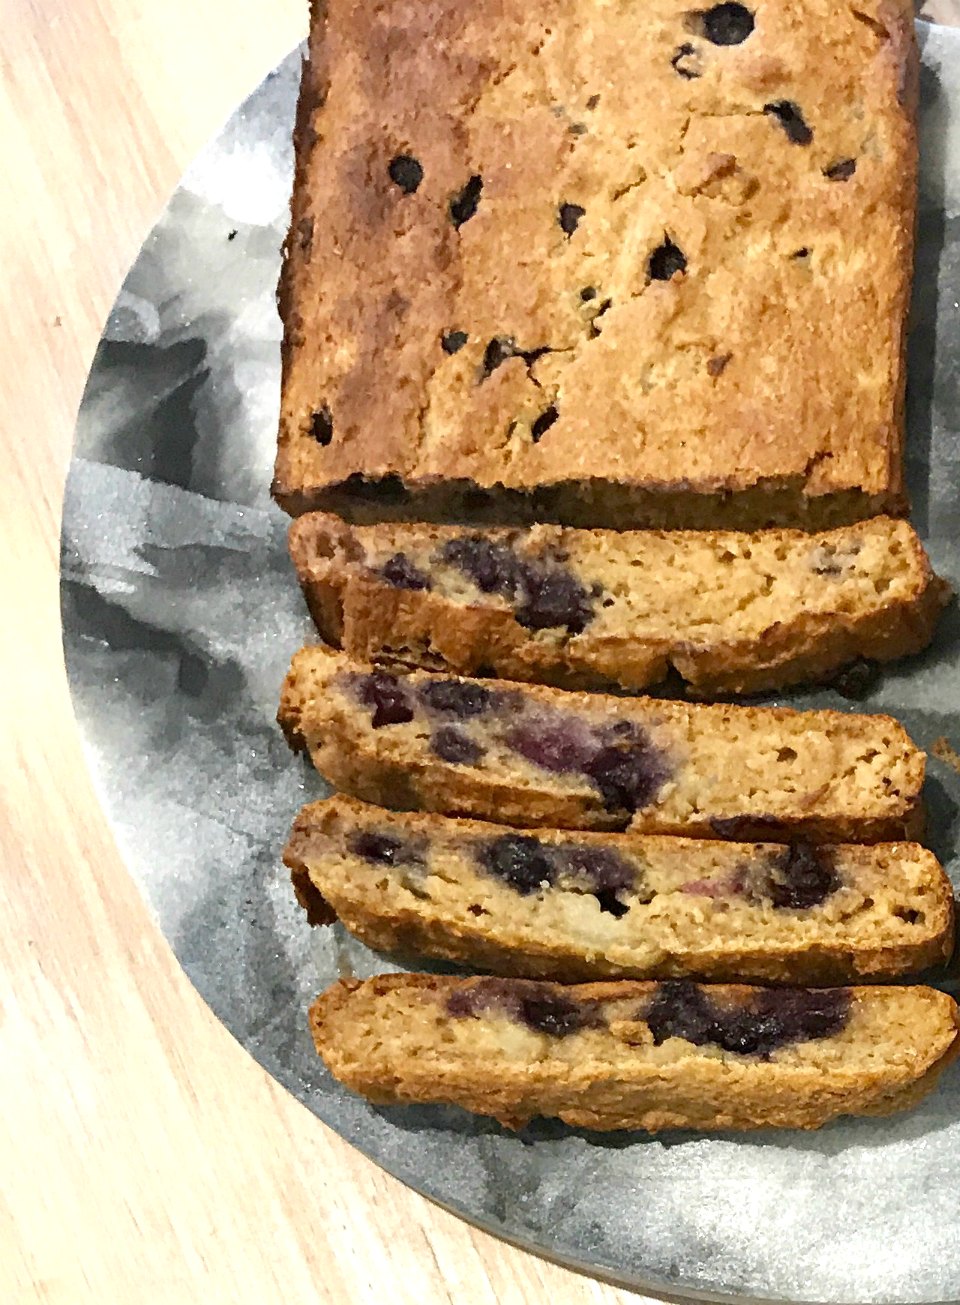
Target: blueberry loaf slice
590, 906
731, 612
656, 277
531, 755
636, 1055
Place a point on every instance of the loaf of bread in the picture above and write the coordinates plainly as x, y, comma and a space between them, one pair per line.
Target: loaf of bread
731, 612
530, 755
636, 1055
656, 277
592, 906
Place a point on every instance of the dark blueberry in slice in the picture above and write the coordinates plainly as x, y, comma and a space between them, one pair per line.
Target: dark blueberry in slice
560, 744
451, 744
388, 698
493, 568
569, 215
539, 1006
629, 774
553, 1013
543, 423
520, 861
406, 172
554, 598
679, 63
858, 679
498, 350
321, 426
453, 341
456, 697
384, 849
587, 293
400, 572
841, 171
599, 867
680, 1009
610, 904
665, 261
799, 878
791, 120
464, 205
727, 24
772, 1019
782, 1016
803, 252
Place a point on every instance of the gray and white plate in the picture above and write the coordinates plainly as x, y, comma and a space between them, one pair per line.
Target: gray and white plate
180, 613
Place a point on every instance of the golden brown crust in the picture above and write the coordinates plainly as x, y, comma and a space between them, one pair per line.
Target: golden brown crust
733, 613
826, 776
389, 1039
891, 913
681, 401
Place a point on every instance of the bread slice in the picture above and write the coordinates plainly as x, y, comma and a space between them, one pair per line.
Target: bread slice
731, 612
592, 906
636, 1055
529, 755
655, 277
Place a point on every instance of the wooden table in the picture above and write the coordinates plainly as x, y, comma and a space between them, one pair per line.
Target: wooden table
144, 1157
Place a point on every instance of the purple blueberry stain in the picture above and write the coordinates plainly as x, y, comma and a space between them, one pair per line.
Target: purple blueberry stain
546, 596
382, 849
401, 573
556, 743
454, 746
771, 1018
387, 696
493, 568
540, 1007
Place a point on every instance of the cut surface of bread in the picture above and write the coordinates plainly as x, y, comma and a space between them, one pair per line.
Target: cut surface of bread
731, 612
580, 906
658, 277
636, 1055
531, 755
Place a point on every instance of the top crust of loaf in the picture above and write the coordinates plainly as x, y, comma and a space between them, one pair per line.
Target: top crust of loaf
656, 278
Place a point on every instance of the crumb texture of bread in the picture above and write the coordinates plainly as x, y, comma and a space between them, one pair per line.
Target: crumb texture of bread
532, 755
731, 612
582, 906
530, 276
636, 1055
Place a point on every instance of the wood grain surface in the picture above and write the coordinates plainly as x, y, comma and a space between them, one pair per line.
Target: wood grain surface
144, 1157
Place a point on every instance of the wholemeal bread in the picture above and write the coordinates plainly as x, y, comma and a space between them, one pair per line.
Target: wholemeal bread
531, 755
581, 906
731, 612
636, 1055
656, 277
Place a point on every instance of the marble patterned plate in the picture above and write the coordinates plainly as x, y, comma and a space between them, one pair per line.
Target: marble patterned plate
180, 612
